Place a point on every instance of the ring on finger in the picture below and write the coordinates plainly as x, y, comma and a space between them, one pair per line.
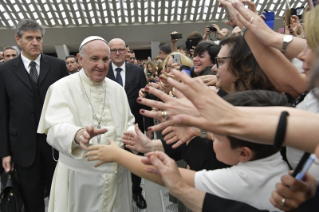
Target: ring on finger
251, 20
164, 115
283, 201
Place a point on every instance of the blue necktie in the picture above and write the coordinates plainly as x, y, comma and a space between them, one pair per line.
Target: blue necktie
118, 76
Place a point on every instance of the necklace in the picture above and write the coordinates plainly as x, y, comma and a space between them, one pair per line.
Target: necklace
98, 121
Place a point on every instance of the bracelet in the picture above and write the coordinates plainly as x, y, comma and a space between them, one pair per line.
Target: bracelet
153, 145
243, 30
281, 130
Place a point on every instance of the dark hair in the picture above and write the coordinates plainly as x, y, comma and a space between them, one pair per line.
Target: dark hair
28, 25
131, 52
195, 34
72, 56
243, 65
209, 46
255, 98
165, 47
9, 47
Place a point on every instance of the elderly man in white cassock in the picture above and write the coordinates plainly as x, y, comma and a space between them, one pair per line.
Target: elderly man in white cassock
81, 110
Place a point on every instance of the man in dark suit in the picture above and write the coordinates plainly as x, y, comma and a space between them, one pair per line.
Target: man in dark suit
24, 81
132, 78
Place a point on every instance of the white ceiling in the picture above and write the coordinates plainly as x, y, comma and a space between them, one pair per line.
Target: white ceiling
138, 22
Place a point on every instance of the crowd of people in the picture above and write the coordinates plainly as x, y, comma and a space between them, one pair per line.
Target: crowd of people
241, 111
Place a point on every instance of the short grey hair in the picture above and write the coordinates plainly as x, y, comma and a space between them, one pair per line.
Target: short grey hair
28, 25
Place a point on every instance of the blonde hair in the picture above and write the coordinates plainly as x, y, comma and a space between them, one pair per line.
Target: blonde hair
312, 29
153, 65
184, 59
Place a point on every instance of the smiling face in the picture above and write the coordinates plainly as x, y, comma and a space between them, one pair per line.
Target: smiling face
169, 65
95, 60
225, 79
201, 61
30, 43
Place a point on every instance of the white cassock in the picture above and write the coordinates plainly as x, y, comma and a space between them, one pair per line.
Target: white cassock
77, 185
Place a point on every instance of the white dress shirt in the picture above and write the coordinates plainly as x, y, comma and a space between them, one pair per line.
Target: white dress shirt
27, 66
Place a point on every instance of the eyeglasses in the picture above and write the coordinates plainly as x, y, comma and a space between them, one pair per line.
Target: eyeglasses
117, 50
217, 60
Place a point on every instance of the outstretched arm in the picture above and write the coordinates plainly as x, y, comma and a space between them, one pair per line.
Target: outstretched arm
219, 117
112, 153
140, 142
265, 45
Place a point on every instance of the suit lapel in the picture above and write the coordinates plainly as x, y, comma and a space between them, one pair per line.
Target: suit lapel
20, 71
128, 76
44, 68
110, 74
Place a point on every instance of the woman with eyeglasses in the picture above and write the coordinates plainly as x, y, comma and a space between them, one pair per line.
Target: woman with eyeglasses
237, 69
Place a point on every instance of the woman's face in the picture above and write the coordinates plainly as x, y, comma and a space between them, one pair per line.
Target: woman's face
308, 58
149, 68
225, 79
169, 65
201, 61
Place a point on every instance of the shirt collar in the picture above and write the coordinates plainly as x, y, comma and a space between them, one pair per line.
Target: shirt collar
26, 61
115, 66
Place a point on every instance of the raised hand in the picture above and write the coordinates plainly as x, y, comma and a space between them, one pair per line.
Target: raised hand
170, 106
179, 135
214, 113
257, 26
209, 80
83, 136
137, 141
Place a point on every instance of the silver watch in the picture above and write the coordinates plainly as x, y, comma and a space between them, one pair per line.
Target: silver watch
286, 40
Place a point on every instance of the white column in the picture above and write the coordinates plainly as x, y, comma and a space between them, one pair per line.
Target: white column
62, 51
154, 48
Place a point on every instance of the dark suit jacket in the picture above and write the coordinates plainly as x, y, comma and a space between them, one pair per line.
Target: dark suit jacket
134, 80
18, 124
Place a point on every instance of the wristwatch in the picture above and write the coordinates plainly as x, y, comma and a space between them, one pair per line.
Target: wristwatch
286, 40
203, 134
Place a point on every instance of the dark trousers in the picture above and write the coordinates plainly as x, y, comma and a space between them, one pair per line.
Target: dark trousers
35, 179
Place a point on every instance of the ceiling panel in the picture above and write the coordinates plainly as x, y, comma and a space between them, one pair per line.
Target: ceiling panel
77, 13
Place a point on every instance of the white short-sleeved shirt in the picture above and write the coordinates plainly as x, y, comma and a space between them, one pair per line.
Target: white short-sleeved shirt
252, 182
310, 104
